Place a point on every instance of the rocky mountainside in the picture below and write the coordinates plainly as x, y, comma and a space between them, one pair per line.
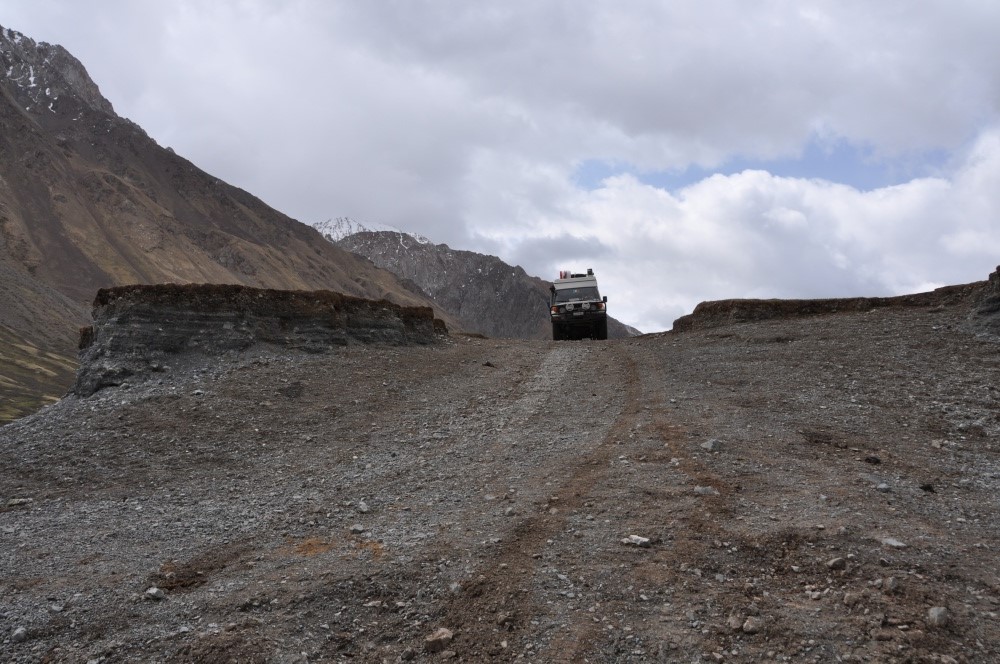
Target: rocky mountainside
89, 201
484, 293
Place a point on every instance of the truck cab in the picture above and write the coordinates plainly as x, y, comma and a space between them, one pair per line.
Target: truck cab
576, 307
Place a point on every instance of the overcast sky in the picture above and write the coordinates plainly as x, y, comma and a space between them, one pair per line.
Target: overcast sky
685, 150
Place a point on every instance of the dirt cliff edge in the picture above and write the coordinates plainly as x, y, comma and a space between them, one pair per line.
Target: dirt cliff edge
983, 298
138, 328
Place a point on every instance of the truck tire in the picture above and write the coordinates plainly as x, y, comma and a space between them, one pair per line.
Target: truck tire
602, 330
557, 333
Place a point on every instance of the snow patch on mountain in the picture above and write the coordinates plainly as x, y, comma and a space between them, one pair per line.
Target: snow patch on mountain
337, 229
39, 73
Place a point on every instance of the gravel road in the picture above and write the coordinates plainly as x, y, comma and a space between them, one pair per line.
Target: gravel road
814, 490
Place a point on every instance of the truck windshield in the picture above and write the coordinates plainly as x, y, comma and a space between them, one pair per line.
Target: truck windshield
588, 293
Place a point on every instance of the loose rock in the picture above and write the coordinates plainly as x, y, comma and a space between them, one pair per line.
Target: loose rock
837, 563
437, 641
852, 598
636, 540
754, 625
711, 445
938, 616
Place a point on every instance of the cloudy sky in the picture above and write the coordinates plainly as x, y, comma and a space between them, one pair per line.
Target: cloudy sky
686, 150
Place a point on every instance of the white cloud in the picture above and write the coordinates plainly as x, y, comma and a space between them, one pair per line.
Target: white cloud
756, 235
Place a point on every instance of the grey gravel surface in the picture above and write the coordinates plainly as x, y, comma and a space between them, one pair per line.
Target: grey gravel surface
702, 497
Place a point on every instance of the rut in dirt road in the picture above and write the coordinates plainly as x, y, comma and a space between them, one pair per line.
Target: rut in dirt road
561, 400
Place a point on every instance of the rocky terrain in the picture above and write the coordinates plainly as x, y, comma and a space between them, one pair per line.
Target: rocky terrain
88, 200
483, 293
808, 487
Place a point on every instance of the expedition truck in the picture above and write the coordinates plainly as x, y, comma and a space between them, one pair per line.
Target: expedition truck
577, 308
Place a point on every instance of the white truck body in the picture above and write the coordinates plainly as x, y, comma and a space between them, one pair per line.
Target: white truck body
576, 307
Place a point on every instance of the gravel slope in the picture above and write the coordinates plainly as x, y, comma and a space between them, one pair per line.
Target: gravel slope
819, 489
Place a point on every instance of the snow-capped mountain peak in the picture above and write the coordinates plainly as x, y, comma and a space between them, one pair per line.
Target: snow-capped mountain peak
44, 76
337, 229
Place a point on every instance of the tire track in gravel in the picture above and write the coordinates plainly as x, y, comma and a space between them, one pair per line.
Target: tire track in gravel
498, 605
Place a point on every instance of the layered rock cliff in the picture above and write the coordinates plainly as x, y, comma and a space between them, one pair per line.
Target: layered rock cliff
138, 330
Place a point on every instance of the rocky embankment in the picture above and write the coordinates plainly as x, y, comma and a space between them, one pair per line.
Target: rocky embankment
983, 298
986, 313
137, 329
